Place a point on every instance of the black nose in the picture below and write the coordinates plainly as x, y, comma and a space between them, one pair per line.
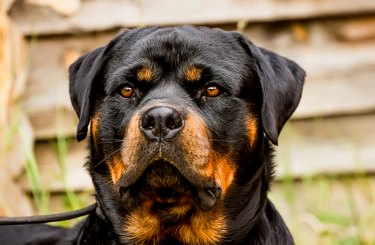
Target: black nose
161, 123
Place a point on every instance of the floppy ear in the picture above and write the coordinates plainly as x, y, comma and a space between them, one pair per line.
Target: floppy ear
282, 81
82, 74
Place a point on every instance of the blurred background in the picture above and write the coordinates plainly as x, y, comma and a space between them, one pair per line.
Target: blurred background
325, 187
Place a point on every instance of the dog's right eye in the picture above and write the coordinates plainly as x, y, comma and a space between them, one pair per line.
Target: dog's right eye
126, 91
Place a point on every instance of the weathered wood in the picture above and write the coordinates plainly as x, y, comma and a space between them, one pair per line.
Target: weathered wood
13, 66
5, 5
65, 7
13, 201
338, 93
12, 85
360, 29
15, 134
102, 15
47, 100
18, 142
327, 146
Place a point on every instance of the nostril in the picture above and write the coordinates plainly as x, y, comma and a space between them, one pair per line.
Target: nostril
171, 123
148, 122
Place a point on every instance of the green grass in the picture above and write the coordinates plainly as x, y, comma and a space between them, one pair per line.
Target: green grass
60, 146
328, 209
40, 193
331, 208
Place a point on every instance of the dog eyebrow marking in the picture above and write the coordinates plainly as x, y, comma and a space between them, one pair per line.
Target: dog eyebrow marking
145, 74
193, 73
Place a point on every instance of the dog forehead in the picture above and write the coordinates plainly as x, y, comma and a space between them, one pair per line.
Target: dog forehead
176, 45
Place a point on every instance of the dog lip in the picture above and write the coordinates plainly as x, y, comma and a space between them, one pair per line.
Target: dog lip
206, 195
133, 174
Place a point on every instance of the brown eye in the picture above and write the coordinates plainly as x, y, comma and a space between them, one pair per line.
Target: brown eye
212, 91
127, 91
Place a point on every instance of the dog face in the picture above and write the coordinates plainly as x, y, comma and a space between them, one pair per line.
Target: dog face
178, 118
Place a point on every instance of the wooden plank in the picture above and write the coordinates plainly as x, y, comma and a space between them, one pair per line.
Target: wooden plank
13, 65
339, 62
65, 7
338, 145
339, 93
102, 15
13, 201
18, 141
15, 133
47, 100
5, 5
360, 29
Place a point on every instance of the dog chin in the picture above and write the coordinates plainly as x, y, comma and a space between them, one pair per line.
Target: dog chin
168, 194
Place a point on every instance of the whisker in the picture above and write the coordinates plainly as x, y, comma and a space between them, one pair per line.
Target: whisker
225, 141
111, 140
106, 158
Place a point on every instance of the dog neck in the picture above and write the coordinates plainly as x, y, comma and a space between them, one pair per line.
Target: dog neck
248, 214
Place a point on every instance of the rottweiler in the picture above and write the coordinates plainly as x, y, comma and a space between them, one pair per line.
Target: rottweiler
182, 123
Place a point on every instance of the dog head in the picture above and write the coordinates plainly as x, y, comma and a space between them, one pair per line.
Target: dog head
180, 120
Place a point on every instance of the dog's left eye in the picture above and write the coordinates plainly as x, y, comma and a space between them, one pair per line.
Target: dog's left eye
126, 91
212, 91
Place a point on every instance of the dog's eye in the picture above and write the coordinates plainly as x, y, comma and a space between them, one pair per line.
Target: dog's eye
126, 91
212, 91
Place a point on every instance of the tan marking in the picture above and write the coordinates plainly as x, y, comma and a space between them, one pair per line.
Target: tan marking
195, 141
132, 142
252, 130
144, 74
193, 74
196, 147
203, 228
116, 168
94, 129
222, 169
180, 210
142, 226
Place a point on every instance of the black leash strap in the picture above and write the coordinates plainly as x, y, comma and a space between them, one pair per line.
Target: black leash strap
47, 218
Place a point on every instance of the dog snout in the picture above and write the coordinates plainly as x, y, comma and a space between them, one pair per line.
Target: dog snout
161, 123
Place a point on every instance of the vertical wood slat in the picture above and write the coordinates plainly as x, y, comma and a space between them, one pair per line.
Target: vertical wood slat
15, 131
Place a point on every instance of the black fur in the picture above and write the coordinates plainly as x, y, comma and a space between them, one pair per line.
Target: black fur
253, 81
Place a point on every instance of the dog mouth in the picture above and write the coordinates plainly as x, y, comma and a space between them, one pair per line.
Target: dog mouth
168, 193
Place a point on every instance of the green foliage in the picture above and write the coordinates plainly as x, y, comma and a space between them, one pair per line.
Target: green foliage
328, 209
40, 193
